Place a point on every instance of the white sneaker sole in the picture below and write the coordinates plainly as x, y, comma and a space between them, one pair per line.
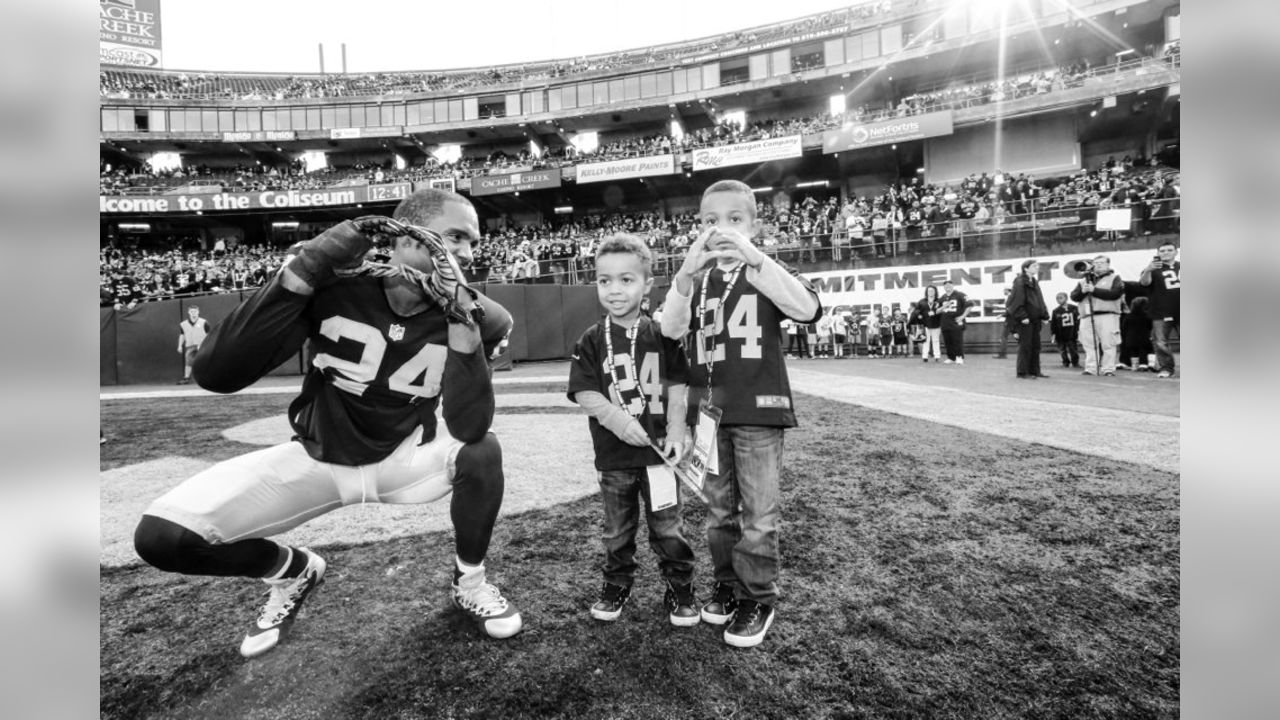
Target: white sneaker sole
746, 641
685, 621
605, 615
713, 619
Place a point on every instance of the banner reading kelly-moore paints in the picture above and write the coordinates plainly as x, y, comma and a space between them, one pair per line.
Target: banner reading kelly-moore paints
864, 289
624, 169
266, 199
129, 33
515, 182
756, 151
885, 132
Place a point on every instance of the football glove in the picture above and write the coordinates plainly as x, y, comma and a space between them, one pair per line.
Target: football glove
341, 247
445, 284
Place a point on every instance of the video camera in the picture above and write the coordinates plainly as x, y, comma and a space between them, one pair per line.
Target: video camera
1084, 268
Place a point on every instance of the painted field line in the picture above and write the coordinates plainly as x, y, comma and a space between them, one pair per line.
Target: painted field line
1131, 437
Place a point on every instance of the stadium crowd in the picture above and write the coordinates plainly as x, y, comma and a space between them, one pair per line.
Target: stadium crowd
121, 180
124, 84
904, 217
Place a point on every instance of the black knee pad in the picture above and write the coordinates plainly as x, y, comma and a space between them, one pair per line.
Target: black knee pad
484, 454
164, 544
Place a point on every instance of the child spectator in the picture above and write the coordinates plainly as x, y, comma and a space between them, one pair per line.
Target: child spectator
899, 326
1064, 327
632, 382
731, 299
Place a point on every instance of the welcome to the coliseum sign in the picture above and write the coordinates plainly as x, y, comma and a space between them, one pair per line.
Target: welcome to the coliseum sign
267, 199
129, 33
885, 132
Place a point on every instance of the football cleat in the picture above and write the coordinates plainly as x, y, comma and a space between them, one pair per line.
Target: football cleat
284, 601
484, 604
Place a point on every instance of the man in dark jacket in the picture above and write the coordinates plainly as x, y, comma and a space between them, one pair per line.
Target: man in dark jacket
1026, 312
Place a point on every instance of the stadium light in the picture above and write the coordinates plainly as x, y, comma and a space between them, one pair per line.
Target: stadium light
586, 142
766, 188
314, 160
448, 153
837, 104
564, 210
165, 161
285, 225
812, 183
134, 227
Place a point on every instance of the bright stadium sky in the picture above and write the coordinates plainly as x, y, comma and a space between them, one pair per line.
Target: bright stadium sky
282, 35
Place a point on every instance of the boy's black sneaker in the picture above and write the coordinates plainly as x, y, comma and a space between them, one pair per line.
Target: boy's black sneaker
750, 623
680, 602
612, 598
719, 609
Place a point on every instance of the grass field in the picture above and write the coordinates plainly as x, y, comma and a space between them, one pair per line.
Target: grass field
928, 572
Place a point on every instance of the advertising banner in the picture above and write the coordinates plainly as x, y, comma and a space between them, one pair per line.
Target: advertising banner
747, 153
886, 132
515, 182
629, 168
129, 33
862, 290
259, 135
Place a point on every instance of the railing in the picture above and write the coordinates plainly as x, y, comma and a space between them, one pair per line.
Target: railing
1030, 231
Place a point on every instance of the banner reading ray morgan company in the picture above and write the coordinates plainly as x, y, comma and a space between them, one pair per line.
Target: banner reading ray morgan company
629, 168
192, 202
757, 151
885, 132
129, 33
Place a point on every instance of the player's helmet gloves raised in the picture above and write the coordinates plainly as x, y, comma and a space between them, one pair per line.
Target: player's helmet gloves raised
341, 247
340, 252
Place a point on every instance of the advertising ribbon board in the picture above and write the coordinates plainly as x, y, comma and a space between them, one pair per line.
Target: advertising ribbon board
515, 182
259, 135
862, 291
747, 153
886, 132
267, 199
628, 168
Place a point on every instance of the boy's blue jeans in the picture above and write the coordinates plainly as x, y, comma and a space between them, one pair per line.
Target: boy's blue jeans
622, 492
742, 511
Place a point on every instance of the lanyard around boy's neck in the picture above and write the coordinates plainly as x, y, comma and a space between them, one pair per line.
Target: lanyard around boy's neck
632, 333
709, 339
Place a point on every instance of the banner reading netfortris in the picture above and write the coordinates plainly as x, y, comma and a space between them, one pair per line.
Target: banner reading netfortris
885, 132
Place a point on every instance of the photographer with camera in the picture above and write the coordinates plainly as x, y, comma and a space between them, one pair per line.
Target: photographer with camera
1163, 278
1099, 296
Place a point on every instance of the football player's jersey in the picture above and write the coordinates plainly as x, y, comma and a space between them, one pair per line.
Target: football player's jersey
659, 362
751, 385
951, 307
1165, 292
376, 374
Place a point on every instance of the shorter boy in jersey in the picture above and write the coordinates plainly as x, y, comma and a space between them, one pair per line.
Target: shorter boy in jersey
731, 299
632, 382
